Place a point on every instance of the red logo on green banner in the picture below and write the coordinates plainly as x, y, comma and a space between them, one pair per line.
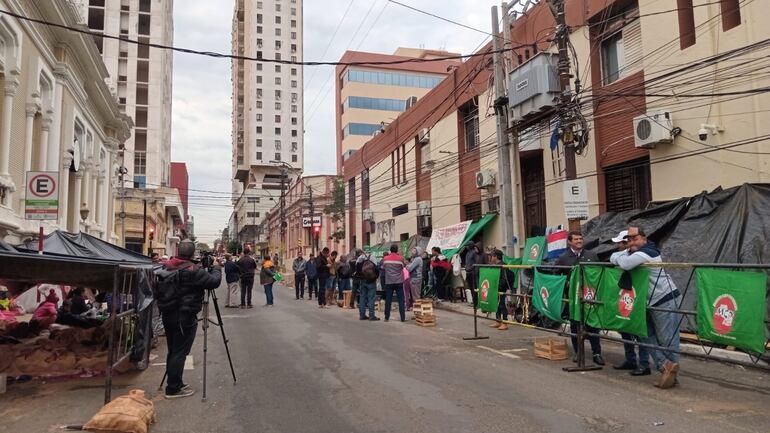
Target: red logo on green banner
485, 290
725, 309
544, 295
626, 301
534, 252
589, 293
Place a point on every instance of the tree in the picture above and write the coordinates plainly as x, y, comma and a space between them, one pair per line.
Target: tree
203, 247
233, 247
336, 209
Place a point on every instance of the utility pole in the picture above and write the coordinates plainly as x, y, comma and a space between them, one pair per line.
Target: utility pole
503, 142
254, 222
312, 215
518, 196
283, 210
121, 174
565, 112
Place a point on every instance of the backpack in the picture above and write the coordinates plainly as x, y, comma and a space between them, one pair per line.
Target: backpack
369, 271
166, 290
343, 270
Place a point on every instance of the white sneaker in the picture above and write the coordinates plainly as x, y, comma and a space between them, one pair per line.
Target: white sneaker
182, 393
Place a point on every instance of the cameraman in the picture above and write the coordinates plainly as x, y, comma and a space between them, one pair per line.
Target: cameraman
180, 291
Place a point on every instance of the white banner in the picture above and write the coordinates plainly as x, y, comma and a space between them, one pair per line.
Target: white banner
450, 237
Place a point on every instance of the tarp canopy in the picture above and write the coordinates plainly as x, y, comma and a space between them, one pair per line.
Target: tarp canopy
84, 245
473, 230
379, 250
722, 226
5, 247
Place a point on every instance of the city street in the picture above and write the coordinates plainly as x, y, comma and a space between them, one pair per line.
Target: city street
303, 369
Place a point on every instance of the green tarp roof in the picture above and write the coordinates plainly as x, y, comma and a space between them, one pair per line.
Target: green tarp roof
473, 230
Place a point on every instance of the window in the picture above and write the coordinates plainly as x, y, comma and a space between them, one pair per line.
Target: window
374, 103
278, 95
259, 45
360, 129
627, 185
392, 78
293, 108
293, 11
293, 132
140, 162
293, 48
142, 71
259, 104
277, 118
259, 129
278, 20
259, 54
142, 51
259, 156
252, 214
259, 142
278, 81
293, 120
259, 5
277, 105
259, 66
471, 126
259, 117
398, 165
259, 79
294, 146
278, 32
277, 131
294, 72
294, 97
294, 158
472, 211
293, 23
731, 14
400, 210
294, 59
144, 24
259, 18
259, 30
277, 45
294, 35
253, 200
612, 58
277, 144
278, 7
259, 93
277, 157
277, 56
277, 68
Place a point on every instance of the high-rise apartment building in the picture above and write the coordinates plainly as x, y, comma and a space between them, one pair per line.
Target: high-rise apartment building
267, 108
141, 78
370, 97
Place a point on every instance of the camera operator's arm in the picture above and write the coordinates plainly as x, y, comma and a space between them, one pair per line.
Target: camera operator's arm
209, 280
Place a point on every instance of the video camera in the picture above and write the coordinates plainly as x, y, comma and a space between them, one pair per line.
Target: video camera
207, 260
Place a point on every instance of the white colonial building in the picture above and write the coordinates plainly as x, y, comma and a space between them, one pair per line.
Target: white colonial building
58, 115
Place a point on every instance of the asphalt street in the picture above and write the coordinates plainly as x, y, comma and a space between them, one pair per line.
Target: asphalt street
305, 369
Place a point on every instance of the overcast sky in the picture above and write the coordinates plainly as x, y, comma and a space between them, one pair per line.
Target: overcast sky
202, 88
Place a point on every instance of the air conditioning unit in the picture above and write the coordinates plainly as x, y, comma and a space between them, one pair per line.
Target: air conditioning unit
347, 154
485, 179
652, 128
423, 208
410, 101
368, 215
424, 136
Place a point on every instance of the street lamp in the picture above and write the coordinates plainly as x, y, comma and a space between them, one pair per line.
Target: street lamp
84, 212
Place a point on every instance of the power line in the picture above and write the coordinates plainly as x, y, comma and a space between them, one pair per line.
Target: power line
238, 57
430, 14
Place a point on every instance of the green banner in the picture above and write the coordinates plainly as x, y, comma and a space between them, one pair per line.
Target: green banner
620, 309
548, 293
574, 293
489, 279
534, 251
732, 308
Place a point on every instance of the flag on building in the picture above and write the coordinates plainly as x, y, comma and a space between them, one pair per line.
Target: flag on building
489, 279
548, 293
620, 309
557, 243
732, 308
534, 250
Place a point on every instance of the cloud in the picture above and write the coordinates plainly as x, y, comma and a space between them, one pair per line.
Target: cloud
202, 107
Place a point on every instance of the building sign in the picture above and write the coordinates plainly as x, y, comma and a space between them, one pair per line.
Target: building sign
450, 237
42, 196
307, 222
576, 199
384, 231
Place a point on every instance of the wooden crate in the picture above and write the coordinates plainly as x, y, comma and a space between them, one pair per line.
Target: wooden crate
422, 306
551, 348
426, 320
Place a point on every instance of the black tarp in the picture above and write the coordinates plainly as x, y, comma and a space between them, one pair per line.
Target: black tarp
5, 247
722, 226
84, 245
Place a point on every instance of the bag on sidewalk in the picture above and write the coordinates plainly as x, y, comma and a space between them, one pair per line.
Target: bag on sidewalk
277, 277
131, 413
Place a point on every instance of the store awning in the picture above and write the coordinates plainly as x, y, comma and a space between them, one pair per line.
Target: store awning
473, 230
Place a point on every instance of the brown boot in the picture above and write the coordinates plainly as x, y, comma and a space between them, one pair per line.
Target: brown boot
503, 327
496, 324
668, 377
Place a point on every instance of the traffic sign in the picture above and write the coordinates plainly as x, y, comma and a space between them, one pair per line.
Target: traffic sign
576, 199
307, 222
42, 195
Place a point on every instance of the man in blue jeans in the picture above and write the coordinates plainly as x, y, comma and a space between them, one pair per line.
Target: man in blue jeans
366, 273
393, 267
663, 326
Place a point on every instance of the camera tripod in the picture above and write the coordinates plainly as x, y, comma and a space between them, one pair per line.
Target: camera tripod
210, 295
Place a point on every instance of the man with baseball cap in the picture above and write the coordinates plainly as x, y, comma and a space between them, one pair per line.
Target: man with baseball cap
663, 325
180, 288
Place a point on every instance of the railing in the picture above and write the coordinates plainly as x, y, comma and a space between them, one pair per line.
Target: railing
523, 302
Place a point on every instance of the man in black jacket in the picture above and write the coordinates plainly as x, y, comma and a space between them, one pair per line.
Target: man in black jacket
576, 254
185, 287
248, 267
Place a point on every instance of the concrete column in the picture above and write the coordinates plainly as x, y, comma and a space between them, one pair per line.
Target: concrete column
64, 190
45, 129
77, 200
11, 86
29, 131
101, 203
94, 199
54, 138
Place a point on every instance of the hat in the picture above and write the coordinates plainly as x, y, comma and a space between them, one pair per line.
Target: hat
621, 237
